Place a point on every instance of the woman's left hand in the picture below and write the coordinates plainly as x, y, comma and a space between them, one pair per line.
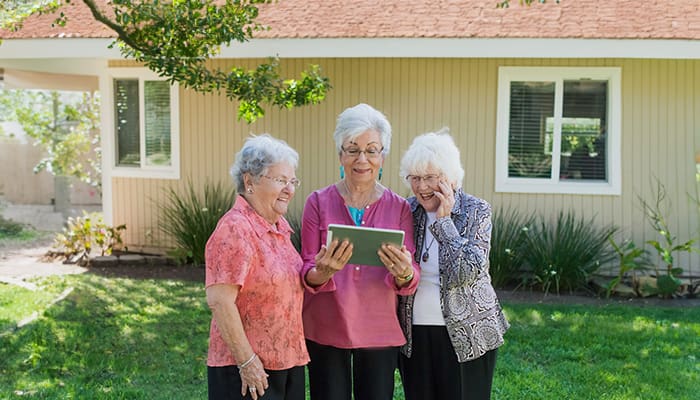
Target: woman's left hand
398, 262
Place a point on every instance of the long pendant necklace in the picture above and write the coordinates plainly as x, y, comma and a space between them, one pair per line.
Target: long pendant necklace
426, 254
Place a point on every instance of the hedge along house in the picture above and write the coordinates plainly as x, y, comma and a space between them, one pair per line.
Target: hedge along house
577, 105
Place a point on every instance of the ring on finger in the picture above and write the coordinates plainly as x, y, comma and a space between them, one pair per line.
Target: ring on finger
253, 389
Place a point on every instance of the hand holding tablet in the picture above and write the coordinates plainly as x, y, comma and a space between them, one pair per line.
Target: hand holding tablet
366, 241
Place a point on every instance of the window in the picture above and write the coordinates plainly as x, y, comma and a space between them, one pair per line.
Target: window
558, 130
145, 126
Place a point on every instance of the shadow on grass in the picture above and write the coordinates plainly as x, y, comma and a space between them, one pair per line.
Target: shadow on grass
608, 352
113, 338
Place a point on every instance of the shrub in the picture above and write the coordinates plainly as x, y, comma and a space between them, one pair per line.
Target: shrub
9, 228
667, 283
190, 219
630, 258
83, 234
507, 245
295, 223
564, 255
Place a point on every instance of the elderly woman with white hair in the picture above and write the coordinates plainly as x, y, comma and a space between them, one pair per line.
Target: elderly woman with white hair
253, 283
454, 322
350, 321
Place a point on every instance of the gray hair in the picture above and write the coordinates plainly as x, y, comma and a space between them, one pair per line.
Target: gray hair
355, 121
257, 155
436, 149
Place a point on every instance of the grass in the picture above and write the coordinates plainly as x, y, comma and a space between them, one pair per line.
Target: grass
17, 303
25, 236
611, 352
146, 339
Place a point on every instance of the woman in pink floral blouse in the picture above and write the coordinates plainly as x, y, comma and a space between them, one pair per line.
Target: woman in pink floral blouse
253, 286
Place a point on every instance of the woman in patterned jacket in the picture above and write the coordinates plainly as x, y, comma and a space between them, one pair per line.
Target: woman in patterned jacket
454, 323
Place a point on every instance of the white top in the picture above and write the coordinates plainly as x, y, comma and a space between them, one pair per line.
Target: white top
426, 307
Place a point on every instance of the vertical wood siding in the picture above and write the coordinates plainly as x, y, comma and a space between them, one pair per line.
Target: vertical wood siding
660, 136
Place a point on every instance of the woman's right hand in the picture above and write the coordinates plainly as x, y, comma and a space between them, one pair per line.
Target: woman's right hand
253, 379
329, 260
333, 258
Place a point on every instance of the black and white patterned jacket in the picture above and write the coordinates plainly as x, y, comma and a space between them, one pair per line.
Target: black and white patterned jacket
473, 316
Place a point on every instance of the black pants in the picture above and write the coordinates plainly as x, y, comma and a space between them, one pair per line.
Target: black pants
433, 372
331, 368
225, 384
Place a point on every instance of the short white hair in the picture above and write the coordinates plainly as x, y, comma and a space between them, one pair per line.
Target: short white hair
436, 149
355, 121
257, 155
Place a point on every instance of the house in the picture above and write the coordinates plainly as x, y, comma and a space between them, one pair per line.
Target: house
578, 105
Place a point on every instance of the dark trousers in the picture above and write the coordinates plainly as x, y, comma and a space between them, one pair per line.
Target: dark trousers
225, 384
433, 372
331, 369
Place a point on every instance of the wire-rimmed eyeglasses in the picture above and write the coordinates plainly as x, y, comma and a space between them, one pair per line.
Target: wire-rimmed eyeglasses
282, 182
430, 179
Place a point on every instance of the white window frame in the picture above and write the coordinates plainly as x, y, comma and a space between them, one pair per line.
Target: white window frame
558, 75
143, 171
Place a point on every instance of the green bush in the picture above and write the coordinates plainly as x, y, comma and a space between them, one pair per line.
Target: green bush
507, 253
190, 219
295, 223
563, 256
83, 234
630, 260
668, 282
9, 228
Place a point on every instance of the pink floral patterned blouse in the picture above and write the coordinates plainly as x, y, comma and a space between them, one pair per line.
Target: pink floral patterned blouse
247, 251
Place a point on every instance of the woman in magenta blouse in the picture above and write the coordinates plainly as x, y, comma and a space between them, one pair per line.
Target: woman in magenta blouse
350, 321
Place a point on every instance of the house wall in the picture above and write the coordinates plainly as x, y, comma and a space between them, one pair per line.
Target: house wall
660, 136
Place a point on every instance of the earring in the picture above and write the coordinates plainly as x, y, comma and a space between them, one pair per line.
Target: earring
249, 190
380, 173
342, 172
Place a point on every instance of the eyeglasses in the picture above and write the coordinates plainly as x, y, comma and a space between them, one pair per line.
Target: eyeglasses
370, 152
284, 182
430, 180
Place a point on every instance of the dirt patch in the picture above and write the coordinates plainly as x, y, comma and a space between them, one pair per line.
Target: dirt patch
531, 297
24, 261
176, 272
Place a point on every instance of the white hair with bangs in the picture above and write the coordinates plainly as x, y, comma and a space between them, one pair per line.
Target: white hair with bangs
433, 149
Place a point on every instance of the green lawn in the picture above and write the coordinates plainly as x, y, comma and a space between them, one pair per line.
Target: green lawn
131, 339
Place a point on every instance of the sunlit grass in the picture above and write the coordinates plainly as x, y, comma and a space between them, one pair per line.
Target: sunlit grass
599, 352
147, 339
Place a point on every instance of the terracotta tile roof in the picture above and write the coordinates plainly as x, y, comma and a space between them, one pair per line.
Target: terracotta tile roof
613, 19
81, 24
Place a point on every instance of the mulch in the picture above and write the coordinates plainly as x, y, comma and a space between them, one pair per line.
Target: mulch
173, 272
506, 296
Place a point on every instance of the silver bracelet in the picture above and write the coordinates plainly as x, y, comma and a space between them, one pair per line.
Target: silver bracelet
247, 363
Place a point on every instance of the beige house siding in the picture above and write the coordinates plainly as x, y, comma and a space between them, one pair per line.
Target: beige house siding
660, 135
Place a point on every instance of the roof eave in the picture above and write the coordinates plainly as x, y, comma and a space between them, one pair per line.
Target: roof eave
68, 48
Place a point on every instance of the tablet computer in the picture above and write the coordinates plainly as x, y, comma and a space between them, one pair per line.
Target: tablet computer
366, 241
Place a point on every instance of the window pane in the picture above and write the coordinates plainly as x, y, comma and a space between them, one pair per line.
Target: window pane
529, 144
583, 140
126, 121
157, 118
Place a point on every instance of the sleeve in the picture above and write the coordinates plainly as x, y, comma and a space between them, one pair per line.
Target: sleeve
467, 251
406, 223
228, 254
311, 242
